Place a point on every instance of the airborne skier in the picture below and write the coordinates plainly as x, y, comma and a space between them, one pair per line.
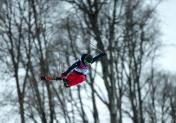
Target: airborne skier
77, 72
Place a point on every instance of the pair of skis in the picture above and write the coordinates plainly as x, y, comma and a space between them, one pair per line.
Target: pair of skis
49, 78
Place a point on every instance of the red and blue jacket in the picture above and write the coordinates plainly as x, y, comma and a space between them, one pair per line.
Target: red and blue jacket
82, 68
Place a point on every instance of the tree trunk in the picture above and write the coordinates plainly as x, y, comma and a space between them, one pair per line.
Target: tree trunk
20, 97
21, 102
83, 114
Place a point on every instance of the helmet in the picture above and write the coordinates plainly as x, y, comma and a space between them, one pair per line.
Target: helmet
87, 59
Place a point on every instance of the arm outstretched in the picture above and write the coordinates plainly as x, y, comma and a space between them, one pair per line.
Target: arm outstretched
98, 56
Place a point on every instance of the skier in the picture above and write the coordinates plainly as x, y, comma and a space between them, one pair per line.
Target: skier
78, 71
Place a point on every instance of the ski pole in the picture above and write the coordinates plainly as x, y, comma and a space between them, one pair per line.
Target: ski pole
95, 47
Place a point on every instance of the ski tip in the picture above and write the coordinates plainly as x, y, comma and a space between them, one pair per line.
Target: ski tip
42, 78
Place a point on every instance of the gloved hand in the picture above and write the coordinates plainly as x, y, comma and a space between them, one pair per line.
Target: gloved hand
63, 75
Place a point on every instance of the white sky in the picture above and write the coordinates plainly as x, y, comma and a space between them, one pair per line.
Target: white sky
167, 14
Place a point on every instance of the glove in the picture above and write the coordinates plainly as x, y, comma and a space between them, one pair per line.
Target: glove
63, 75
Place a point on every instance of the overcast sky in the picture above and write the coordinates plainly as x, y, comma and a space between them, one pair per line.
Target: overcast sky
167, 14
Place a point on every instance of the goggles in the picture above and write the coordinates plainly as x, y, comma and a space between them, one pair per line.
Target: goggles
87, 62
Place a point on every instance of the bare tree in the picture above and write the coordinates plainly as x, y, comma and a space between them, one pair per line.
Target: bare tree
24, 36
172, 99
125, 29
13, 38
129, 42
